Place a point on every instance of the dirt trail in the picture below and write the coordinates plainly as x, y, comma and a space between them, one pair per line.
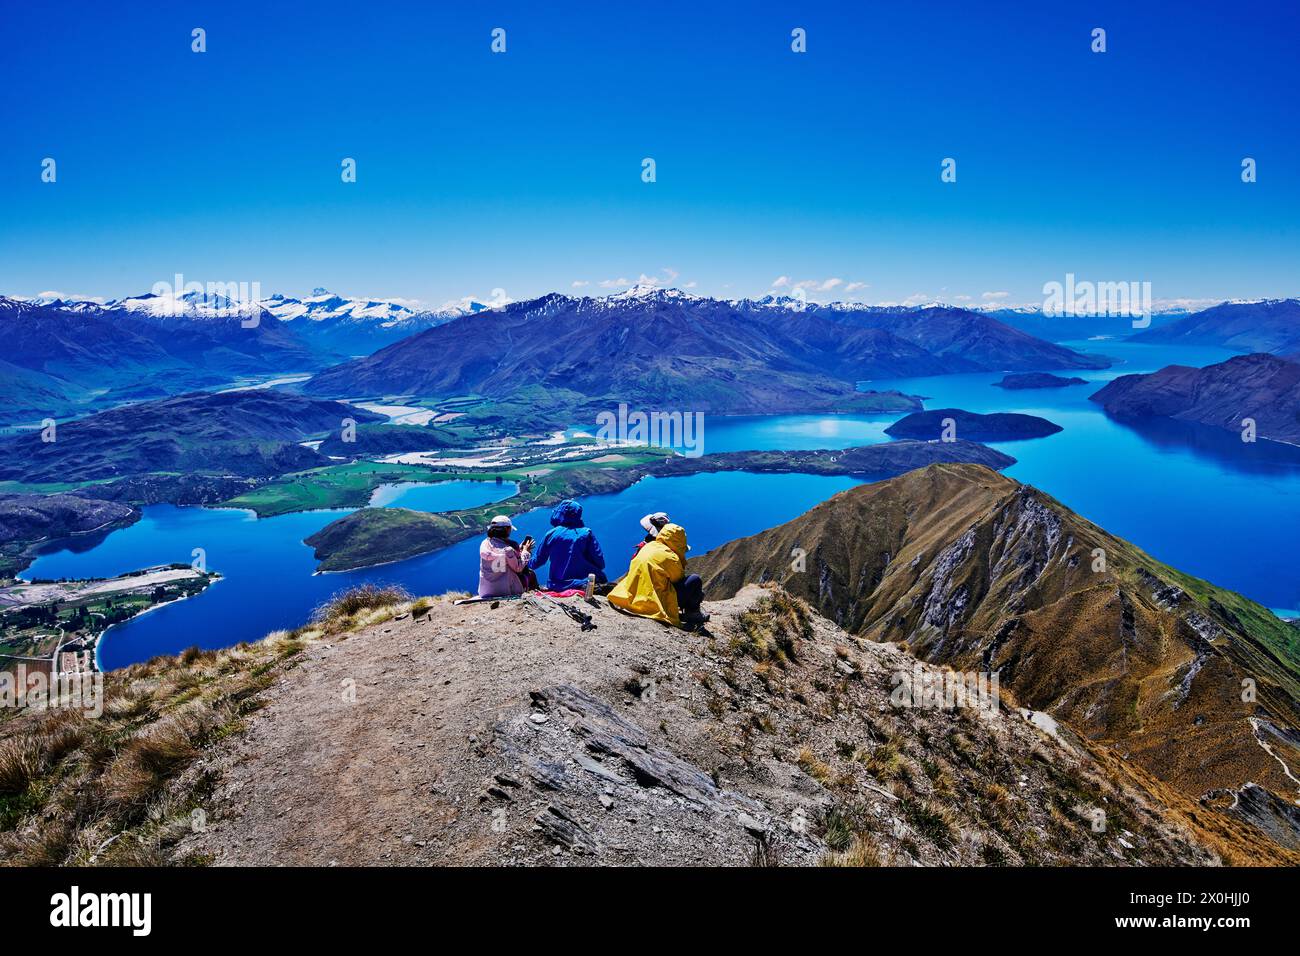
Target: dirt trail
319, 779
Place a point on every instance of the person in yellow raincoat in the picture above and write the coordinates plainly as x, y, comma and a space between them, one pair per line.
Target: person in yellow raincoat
656, 584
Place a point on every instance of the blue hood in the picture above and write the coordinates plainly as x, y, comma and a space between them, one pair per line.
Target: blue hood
567, 514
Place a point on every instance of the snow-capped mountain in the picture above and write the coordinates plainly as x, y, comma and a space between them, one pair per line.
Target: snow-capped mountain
655, 292
326, 306
359, 325
193, 304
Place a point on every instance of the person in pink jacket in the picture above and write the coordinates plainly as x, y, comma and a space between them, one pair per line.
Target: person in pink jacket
502, 563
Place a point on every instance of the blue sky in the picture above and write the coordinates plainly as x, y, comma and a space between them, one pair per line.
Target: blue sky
522, 171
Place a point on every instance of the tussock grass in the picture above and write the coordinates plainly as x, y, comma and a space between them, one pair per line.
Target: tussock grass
837, 829
772, 629
860, 852
21, 761
344, 611
810, 765
930, 819
886, 762
117, 789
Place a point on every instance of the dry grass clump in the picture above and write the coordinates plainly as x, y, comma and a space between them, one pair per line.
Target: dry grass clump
772, 629
22, 760
344, 610
810, 765
931, 819
860, 851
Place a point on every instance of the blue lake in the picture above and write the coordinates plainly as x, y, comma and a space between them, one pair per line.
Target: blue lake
1200, 500
441, 495
268, 581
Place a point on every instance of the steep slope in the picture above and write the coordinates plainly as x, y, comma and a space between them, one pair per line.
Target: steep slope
971, 569
247, 433
1260, 386
1269, 326
507, 735
667, 349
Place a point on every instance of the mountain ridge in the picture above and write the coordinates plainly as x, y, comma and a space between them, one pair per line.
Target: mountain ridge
664, 348
1260, 386
973, 570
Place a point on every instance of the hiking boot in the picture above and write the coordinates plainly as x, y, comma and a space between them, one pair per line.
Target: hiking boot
694, 619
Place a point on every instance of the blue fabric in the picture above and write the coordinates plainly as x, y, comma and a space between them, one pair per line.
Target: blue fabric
571, 549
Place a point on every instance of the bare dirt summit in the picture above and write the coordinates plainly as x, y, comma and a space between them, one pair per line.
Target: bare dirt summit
509, 735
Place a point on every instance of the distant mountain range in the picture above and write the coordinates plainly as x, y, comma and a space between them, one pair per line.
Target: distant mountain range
65, 356
664, 349
1272, 325
1261, 387
354, 326
649, 346
970, 569
62, 359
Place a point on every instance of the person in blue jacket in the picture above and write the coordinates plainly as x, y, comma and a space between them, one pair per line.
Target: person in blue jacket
571, 548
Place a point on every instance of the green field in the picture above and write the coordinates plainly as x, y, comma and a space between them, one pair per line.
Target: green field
350, 485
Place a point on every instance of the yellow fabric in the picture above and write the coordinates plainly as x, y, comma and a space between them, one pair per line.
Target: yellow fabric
647, 588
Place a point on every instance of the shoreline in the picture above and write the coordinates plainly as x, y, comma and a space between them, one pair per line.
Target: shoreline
99, 641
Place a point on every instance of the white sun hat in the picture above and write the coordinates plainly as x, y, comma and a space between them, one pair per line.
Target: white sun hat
654, 521
500, 521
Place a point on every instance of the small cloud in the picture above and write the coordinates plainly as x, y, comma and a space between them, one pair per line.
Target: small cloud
690, 285
855, 286
818, 285
962, 298
613, 283
578, 283
996, 295
781, 282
